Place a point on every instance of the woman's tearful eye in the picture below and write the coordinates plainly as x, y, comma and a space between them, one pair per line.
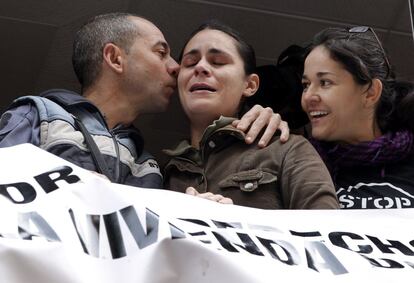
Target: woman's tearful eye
189, 62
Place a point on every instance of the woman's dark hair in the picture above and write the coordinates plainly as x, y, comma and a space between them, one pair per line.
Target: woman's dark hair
361, 53
245, 50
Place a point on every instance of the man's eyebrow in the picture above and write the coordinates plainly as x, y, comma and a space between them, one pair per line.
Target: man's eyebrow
162, 44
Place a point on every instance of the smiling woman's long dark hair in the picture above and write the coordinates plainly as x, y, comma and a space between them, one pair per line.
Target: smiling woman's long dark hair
362, 55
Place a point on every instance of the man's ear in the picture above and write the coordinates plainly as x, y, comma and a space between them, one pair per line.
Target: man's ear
373, 94
252, 85
113, 57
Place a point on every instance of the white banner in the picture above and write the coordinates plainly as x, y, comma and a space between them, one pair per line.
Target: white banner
60, 223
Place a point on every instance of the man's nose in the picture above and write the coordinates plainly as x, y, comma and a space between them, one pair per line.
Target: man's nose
173, 68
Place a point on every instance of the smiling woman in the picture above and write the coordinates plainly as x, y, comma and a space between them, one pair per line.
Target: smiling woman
362, 119
328, 87
217, 73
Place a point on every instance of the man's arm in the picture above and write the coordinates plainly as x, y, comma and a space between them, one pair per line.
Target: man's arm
20, 125
259, 118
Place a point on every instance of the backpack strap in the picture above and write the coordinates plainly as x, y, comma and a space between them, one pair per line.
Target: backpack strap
97, 156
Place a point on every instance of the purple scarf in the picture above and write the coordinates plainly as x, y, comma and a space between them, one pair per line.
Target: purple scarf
389, 148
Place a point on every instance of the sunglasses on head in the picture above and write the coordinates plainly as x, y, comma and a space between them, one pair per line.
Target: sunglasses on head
363, 29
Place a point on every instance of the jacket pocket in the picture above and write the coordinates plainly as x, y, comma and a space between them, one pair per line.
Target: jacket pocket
248, 181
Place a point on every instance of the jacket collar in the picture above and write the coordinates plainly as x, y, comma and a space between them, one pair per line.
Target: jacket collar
67, 98
211, 139
72, 100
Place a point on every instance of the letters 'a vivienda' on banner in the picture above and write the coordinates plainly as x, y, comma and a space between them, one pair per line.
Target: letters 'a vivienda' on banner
60, 223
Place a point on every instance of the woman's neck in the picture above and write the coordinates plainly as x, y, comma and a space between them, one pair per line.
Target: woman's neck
365, 136
197, 131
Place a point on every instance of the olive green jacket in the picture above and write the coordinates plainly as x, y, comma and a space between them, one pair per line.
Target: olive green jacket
289, 175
